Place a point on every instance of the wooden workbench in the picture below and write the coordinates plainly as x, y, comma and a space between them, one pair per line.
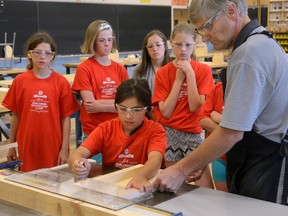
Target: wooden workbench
193, 201
12, 72
8, 83
214, 65
127, 62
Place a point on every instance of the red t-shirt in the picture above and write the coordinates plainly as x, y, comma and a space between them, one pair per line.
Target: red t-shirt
122, 151
41, 104
181, 119
103, 81
214, 102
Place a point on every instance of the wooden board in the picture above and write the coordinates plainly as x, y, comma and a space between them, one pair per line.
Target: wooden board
7, 83
12, 71
122, 177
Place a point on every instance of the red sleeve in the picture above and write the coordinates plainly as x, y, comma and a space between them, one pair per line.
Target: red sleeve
124, 73
207, 107
94, 141
164, 80
204, 77
214, 102
158, 140
68, 103
82, 78
10, 101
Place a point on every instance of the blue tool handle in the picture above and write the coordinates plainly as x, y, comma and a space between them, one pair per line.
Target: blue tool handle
11, 165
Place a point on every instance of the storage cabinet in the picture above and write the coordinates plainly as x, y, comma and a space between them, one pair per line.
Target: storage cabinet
253, 3
179, 14
282, 38
278, 20
278, 13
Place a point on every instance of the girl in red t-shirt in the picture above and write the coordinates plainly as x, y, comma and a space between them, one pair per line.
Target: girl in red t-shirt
98, 78
179, 92
41, 102
131, 139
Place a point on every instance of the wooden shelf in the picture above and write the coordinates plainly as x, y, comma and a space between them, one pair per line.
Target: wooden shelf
277, 12
180, 14
278, 21
282, 39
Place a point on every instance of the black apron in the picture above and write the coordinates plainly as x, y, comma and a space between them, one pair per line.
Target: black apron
254, 164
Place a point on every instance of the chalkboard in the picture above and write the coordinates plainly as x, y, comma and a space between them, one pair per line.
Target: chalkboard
67, 22
136, 21
19, 17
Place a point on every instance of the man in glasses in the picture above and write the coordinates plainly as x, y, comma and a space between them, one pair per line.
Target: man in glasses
255, 118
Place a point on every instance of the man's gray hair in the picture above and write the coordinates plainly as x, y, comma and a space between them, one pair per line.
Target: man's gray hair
204, 9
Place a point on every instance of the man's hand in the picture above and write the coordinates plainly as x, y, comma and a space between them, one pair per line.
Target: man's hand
169, 179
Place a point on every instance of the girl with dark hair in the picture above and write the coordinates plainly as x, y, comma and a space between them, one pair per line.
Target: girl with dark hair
155, 54
41, 102
128, 140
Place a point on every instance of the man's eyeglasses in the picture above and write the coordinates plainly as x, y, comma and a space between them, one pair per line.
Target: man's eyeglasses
203, 30
103, 40
179, 45
157, 44
132, 111
40, 53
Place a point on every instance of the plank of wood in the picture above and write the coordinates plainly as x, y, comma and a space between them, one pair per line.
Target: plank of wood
13, 71
122, 177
